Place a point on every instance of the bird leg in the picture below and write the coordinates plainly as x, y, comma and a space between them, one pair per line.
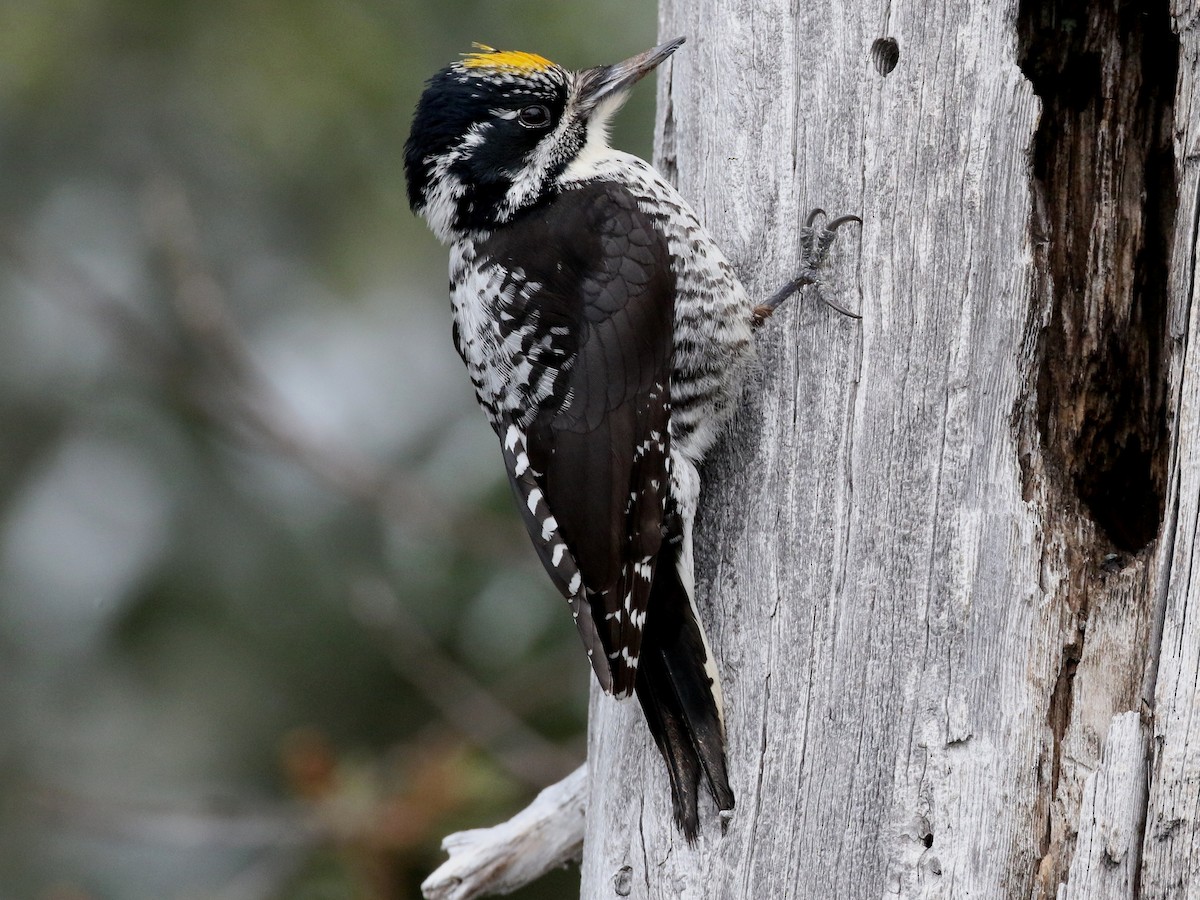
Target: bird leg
815, 241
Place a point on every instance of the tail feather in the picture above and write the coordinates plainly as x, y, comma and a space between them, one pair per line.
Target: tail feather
678, 698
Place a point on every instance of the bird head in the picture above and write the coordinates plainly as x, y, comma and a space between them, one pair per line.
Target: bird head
494, 131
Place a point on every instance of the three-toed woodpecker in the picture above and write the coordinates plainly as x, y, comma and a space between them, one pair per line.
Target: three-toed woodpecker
606, 336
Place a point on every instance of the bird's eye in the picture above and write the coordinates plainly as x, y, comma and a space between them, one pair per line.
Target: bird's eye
536, 116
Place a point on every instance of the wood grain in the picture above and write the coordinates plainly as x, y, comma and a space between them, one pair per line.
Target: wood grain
925, 638
946, 553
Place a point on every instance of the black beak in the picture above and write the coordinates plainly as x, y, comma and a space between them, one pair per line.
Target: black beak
611, 81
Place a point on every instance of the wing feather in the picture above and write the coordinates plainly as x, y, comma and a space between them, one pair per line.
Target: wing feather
597, 446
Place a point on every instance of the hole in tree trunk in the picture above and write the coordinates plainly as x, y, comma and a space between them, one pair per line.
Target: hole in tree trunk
885, 53
1104, 181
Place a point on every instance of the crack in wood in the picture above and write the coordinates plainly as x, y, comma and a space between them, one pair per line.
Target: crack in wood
1104, 169
1104, 197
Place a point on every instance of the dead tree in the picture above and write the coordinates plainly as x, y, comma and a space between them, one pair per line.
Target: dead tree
946, 552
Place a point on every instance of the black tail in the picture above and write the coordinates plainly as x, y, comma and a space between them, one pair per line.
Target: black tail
677, 697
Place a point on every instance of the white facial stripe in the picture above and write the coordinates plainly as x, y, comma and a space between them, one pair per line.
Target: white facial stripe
532, 177
445, 190
441, 205
597, 137
473, 138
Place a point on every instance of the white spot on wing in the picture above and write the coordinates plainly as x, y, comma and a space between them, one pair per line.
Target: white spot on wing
688, 580
522, 464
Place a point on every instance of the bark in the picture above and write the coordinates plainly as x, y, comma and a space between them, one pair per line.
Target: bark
545, 835
945, 553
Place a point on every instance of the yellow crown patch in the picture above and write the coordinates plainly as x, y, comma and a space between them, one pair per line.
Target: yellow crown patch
514, 61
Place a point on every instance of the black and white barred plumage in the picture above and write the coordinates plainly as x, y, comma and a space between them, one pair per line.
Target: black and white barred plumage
606, 337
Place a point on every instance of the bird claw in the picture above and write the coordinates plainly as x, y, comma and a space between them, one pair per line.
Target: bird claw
815, 241
845, 312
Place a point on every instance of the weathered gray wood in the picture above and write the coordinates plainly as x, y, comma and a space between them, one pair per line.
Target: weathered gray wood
1171, 852
868, 562
545, 835
1108, 848
946, 553
924, 634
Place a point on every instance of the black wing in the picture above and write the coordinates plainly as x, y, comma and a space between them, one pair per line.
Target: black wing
589, 457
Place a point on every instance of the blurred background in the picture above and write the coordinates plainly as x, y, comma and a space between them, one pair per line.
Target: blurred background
269, 627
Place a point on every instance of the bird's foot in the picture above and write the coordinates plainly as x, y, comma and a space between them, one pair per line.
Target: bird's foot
815, 241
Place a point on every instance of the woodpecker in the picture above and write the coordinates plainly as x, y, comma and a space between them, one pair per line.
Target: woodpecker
607, 337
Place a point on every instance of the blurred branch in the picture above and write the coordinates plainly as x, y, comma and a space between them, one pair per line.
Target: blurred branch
244, 400
230, 829
461, 700
203, 311
206, 364
545, 835
209, 363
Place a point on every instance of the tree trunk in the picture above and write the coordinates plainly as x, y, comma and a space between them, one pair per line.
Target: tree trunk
945, 553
